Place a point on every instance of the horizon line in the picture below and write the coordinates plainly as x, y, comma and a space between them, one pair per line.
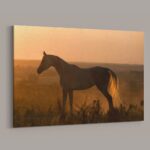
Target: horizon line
82, 62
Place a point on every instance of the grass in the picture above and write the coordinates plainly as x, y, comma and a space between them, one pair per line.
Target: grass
83, 115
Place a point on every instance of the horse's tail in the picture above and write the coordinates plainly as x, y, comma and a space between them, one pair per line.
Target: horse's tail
113, 89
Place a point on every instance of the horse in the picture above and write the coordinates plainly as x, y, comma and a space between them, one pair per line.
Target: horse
73, 78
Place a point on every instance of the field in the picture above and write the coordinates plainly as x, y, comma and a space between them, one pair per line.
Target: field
38, 98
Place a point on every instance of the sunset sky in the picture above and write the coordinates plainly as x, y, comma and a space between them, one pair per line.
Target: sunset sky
79, 45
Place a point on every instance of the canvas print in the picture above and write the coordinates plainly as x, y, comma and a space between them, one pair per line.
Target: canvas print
65, 76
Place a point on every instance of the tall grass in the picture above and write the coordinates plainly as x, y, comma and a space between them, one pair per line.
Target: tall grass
82, 115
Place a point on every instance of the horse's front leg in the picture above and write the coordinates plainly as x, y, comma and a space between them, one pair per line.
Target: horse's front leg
64, 100
71, 100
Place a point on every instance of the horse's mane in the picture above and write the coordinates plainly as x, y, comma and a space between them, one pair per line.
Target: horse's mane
58, 58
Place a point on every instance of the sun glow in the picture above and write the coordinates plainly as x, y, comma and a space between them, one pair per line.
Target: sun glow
79, 45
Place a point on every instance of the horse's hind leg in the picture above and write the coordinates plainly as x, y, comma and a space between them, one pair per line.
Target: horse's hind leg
64, 100
105, 92
71, 100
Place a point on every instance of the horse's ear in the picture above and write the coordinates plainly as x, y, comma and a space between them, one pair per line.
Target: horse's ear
44, 53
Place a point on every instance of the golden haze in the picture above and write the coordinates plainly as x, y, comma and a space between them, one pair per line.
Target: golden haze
79, 45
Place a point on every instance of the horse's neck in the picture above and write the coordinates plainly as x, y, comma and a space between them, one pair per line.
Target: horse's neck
60, 66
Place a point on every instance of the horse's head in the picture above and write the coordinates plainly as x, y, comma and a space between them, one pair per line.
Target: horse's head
45, 63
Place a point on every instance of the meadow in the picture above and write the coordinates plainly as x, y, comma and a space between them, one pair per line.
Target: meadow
38, 98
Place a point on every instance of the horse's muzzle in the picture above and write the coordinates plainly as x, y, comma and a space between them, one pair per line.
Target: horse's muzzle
39, 71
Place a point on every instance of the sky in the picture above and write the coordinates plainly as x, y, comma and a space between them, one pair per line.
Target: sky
79, 45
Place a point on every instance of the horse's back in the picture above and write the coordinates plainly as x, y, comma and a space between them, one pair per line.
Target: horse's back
82, 78
78, 78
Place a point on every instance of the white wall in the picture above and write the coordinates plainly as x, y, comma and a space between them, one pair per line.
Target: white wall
124, 15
